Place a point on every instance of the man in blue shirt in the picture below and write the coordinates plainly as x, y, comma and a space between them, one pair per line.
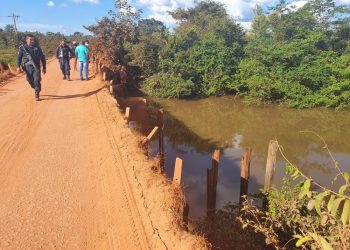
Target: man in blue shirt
82, 55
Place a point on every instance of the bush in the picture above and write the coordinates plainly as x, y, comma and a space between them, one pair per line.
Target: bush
169, 85
297, 216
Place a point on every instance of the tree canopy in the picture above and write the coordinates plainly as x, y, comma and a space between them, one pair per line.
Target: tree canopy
298, 56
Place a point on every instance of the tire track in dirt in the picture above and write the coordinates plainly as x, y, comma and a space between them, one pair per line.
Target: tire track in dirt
138, 230
62, 184
24, 118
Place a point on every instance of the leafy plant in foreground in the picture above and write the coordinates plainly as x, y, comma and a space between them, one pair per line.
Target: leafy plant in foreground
303, 215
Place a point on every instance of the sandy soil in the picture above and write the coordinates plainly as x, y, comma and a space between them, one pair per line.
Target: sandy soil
72, 176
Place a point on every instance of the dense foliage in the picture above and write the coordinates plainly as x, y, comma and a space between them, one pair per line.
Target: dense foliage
9, 42
204, 50
298, 56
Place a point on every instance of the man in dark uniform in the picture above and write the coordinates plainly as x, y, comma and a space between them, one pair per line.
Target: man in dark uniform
64, 53
32, 55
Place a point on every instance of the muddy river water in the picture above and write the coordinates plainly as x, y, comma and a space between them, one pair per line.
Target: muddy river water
194, 128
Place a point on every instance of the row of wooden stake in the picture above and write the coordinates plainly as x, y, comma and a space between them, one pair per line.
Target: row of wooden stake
212, 173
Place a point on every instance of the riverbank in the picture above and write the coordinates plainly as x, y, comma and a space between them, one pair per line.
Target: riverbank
158, 198
195, 128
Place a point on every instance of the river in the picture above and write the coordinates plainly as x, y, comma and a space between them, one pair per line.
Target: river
194, 128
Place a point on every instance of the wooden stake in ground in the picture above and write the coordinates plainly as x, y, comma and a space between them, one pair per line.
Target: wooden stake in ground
111, 87
212, 181
150, 136
186, 213
2, 69
245, 172
177, 171
127, 115
270, 164
10, 68
161, 139
153, 132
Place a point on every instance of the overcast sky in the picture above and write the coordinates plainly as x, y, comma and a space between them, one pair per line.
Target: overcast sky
68, 16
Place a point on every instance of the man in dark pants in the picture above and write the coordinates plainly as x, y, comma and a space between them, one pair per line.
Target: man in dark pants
74, 46
64, 53
32, 55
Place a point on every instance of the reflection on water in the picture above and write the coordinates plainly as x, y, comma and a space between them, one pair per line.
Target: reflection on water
194, 128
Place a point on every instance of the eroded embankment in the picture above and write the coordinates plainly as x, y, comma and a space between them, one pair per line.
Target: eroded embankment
157, 198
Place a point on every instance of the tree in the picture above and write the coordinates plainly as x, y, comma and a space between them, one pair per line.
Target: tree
113, 31
205, 49
151, 37
292, 56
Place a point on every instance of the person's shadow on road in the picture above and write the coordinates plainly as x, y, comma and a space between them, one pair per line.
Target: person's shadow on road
59, 97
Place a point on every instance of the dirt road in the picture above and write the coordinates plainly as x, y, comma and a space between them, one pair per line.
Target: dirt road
61, 184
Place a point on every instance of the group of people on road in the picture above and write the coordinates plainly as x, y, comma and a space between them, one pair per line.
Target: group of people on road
32, 61
80, 52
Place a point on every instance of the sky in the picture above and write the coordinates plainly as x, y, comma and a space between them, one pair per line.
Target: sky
69, 16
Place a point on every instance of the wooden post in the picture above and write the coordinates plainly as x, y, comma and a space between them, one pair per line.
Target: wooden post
10, 68
270, 164
153, 132
2, 67
161, 138
185, 214
104, 76
212, 181
111, 87
245, 173
127, 115
209, 190
150, 136
215, 167
177, 171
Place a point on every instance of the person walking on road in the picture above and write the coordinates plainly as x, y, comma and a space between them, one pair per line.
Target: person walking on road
82, 55
74, 46
64, 53
30, 58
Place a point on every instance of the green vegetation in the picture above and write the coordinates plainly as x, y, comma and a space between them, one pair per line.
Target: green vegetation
204, 51
303, 213
296, 56
9, 42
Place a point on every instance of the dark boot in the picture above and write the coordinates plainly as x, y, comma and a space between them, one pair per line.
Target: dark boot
37, 96
68, 77
64, 77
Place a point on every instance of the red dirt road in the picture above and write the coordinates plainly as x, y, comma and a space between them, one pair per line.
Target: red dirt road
61, 185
